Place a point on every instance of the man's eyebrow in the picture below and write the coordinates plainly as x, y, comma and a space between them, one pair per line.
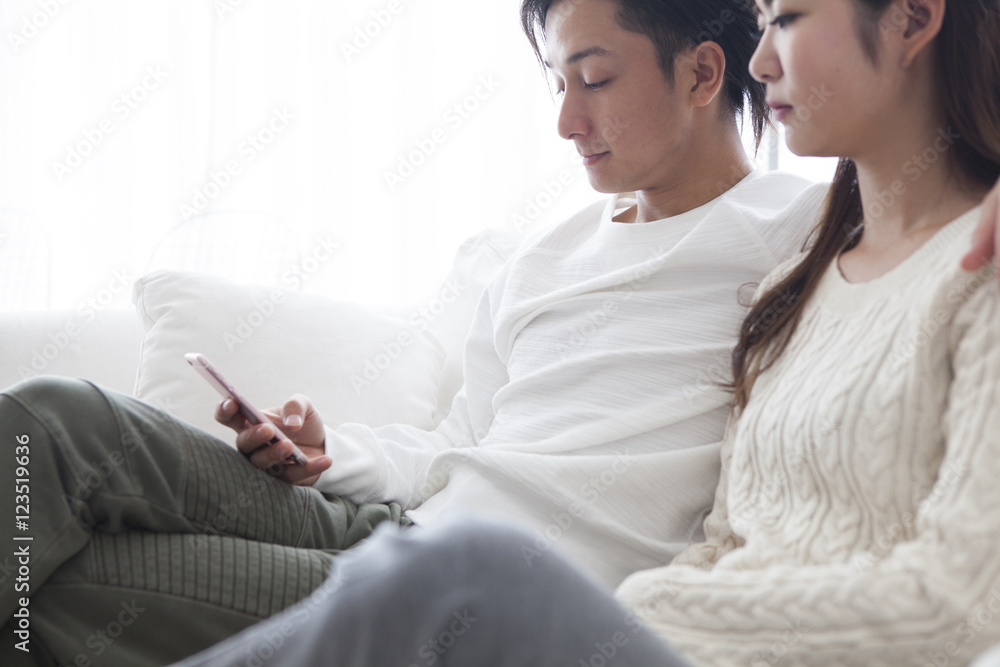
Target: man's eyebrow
580, 55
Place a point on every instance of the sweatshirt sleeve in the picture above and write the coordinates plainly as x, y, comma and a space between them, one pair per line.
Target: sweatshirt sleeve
929, 600
390, 463
719, 536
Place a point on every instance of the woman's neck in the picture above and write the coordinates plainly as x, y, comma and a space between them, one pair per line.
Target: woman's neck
909, 191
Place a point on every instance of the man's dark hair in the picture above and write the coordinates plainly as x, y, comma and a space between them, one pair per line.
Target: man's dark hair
677, 25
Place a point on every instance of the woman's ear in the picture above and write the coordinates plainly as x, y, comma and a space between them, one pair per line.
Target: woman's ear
708, 65
921, 23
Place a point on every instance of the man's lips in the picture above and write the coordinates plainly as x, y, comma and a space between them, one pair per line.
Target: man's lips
594, 158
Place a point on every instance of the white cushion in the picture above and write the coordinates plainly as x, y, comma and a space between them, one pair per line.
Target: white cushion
356, 364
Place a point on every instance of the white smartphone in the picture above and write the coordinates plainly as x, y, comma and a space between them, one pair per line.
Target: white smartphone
205, 369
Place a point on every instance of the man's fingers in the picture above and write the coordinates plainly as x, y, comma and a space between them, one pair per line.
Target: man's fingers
251, 439
295, 411
227, 414
303, 475
982, 243
986, 238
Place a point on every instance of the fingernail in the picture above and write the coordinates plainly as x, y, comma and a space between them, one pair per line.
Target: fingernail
227, 405
293, 420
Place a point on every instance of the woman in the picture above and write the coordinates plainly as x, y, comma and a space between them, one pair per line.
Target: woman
855, 520
849, 524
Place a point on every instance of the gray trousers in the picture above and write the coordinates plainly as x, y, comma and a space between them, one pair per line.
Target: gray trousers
457, 593
130, 538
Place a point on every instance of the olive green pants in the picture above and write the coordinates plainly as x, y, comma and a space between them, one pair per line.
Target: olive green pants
128, 537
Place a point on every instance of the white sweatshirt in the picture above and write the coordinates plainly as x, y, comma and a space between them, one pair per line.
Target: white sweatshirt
857, 518
590, 412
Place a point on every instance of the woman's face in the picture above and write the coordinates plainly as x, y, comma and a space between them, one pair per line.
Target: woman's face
822, 84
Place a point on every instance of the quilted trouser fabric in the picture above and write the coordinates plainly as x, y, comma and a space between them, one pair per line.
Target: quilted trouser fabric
141, 539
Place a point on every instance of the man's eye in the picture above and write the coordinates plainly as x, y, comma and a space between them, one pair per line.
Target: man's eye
783, 20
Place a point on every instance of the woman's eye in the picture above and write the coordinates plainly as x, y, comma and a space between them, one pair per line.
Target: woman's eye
594, 86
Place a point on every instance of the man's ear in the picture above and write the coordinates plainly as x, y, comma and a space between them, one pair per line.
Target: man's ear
921, 23
706, 69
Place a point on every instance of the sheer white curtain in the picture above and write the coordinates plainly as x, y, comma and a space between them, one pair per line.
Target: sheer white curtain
347, 147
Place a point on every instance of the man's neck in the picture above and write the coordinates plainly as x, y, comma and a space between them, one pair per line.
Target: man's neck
719, 164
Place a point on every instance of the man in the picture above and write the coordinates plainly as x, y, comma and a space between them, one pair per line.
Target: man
591, 413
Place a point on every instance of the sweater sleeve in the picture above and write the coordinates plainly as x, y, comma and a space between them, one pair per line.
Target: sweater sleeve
391, 463
929, 600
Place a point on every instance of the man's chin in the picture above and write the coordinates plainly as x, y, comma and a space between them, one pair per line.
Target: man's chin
601, 185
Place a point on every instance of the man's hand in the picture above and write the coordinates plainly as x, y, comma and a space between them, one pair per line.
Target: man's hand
296, 423
986, 239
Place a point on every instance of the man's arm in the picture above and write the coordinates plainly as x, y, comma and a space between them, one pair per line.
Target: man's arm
987, 237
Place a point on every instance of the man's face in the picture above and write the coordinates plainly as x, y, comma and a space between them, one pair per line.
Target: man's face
626, 120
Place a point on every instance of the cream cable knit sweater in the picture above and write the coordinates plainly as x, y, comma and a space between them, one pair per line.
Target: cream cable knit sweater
858, 512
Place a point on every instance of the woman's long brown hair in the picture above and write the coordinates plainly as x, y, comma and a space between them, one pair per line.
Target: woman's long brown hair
968, 76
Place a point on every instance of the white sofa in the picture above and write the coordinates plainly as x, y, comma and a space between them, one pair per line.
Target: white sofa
358, 363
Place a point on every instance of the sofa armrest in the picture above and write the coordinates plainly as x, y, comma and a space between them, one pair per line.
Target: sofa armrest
102, 347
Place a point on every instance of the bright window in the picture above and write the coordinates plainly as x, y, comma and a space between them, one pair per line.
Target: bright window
345, 148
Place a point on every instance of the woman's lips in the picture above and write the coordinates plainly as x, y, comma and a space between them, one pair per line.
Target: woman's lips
780, 111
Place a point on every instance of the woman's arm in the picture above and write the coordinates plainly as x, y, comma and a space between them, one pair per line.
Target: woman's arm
927, 599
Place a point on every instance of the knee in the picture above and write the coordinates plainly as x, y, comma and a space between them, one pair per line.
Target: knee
471, 546
50, 389
52, 400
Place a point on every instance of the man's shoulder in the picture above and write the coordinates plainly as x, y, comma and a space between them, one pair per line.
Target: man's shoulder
780, 210
571, 231
770, 193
